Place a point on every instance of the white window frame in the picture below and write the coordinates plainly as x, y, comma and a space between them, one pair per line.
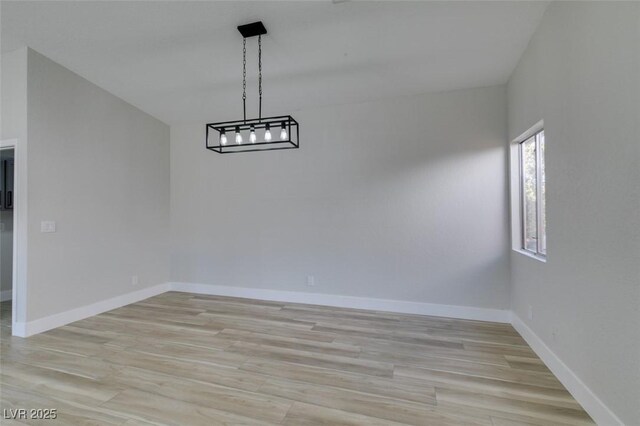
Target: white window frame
517, 198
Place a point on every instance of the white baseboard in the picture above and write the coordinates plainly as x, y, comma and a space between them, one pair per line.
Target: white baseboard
20, 329
26, 329
598, 411
399, 306
5, 295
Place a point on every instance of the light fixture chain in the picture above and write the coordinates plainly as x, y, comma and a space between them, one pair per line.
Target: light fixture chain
244, 77
260, 76
265, 141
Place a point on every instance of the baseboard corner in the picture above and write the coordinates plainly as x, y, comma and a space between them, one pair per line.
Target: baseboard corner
598, 411
19, 329
40, 325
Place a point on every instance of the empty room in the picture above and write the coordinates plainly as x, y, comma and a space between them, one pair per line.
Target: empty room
330, 212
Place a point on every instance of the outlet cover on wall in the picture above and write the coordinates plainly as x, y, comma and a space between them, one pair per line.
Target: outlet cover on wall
134, 280
48, 226
530, 312
311, 280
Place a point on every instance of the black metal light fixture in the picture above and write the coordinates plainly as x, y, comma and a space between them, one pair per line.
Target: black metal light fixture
253, 134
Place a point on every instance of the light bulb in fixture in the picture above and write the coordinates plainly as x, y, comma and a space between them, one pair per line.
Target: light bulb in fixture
238, 136
283, 131
267, 133
223, 137
252, 134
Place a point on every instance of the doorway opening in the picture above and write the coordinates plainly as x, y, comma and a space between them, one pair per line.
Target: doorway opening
7, 199
13, 241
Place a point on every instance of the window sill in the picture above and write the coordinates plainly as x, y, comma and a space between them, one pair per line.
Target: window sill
531, 255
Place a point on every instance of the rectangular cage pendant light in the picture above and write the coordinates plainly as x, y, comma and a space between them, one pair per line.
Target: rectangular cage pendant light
257, 134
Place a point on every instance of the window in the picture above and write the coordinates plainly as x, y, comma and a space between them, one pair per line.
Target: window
533, 238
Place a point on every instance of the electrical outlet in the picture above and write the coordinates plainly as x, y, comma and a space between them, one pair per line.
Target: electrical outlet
311, 281
134, 280
47, 226
530, 312
554, 334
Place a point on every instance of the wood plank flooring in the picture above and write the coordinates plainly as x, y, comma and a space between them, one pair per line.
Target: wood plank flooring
185, 359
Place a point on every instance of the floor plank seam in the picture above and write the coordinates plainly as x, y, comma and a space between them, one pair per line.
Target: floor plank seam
163, 358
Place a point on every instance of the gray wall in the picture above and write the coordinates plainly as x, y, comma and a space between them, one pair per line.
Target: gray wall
100, 168
399, 199
13, 95
581, 74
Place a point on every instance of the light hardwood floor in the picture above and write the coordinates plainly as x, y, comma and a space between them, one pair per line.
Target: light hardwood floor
185, 359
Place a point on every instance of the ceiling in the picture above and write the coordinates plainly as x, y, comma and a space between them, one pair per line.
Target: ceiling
182, 61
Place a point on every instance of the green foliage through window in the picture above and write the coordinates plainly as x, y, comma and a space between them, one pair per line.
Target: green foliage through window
532, 177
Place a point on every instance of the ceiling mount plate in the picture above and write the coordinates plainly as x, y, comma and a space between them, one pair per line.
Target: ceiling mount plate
253, 29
